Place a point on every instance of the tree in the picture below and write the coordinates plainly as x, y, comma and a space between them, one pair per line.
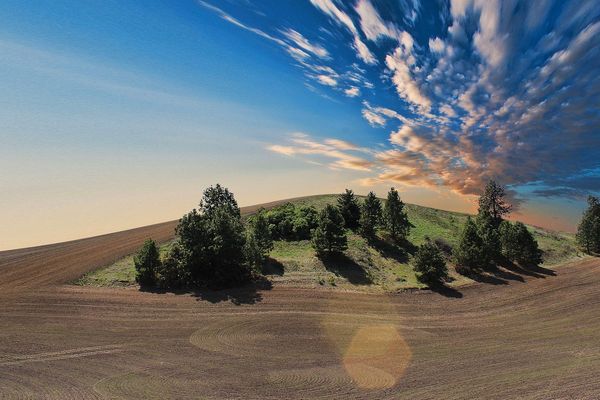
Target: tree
213, 241
519, 245
218, 197
147, 262
588, 231
330, 236
470, 253
259, 227
370, 216
252, 252
396, 219
493, 201
488, 232
349, 208
429, 263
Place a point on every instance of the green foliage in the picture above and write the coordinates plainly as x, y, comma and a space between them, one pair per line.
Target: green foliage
519, 245
213, 241
588, 231
349, 208
488, 232
396, 219
429, 263
330, 235
470, 253
493, 202
291, 222
172, 273
252, 252
261, 234
370, 216
147, 262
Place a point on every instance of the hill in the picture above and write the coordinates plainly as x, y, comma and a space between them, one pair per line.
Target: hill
378, 267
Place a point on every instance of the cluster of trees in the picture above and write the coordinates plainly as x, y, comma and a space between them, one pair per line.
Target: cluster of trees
291, 222
365, 218
489, 237
588, 231
214, 248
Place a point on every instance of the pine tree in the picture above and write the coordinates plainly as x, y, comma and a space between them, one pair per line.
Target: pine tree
588, 231
429, 263
396, 219
489, 234
147, 262
330, 235
493, 201
528, 252
470, 253
370, 216
350, 209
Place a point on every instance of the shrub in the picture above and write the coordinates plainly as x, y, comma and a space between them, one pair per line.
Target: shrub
429, 263
288, 222
349, 208
330, 236
470, 253
147, 262
370, 216
261, 234
396, 219
172, 273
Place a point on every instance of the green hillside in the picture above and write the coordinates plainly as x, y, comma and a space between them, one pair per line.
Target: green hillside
380, 267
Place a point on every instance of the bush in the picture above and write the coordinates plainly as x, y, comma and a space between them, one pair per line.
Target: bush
172, 273
349, 208
261, 234
429, 263
147, 262
288, 222
370, 216
470, 253
330, 236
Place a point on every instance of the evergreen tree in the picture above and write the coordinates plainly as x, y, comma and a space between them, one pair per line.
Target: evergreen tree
370, 216
528, 252
429, 263
147, 262
349, 208
261, 234
519, 245
330, 236
218, 197
470, 253
588, 231
396, 219
489, 234
172, 273
493, 201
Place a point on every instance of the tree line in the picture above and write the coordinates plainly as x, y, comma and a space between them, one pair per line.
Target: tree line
215, 248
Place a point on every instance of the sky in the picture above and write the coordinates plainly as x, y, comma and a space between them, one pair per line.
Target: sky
118, 113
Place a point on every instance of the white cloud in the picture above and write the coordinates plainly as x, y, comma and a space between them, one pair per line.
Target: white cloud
303, 43
436, 45
326, 80
352, 92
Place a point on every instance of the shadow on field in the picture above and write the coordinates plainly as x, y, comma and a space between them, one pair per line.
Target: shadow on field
398, 252
247, 294
272, 267
445, 290
533, 270
342, 265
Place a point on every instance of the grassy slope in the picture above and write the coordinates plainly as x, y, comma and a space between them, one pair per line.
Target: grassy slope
381, 267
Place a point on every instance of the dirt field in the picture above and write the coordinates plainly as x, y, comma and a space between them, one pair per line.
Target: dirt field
537, 339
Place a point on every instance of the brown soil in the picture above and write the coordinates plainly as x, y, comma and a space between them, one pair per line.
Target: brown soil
536, 339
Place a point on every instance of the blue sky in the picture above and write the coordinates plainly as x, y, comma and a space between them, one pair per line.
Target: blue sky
116, 114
